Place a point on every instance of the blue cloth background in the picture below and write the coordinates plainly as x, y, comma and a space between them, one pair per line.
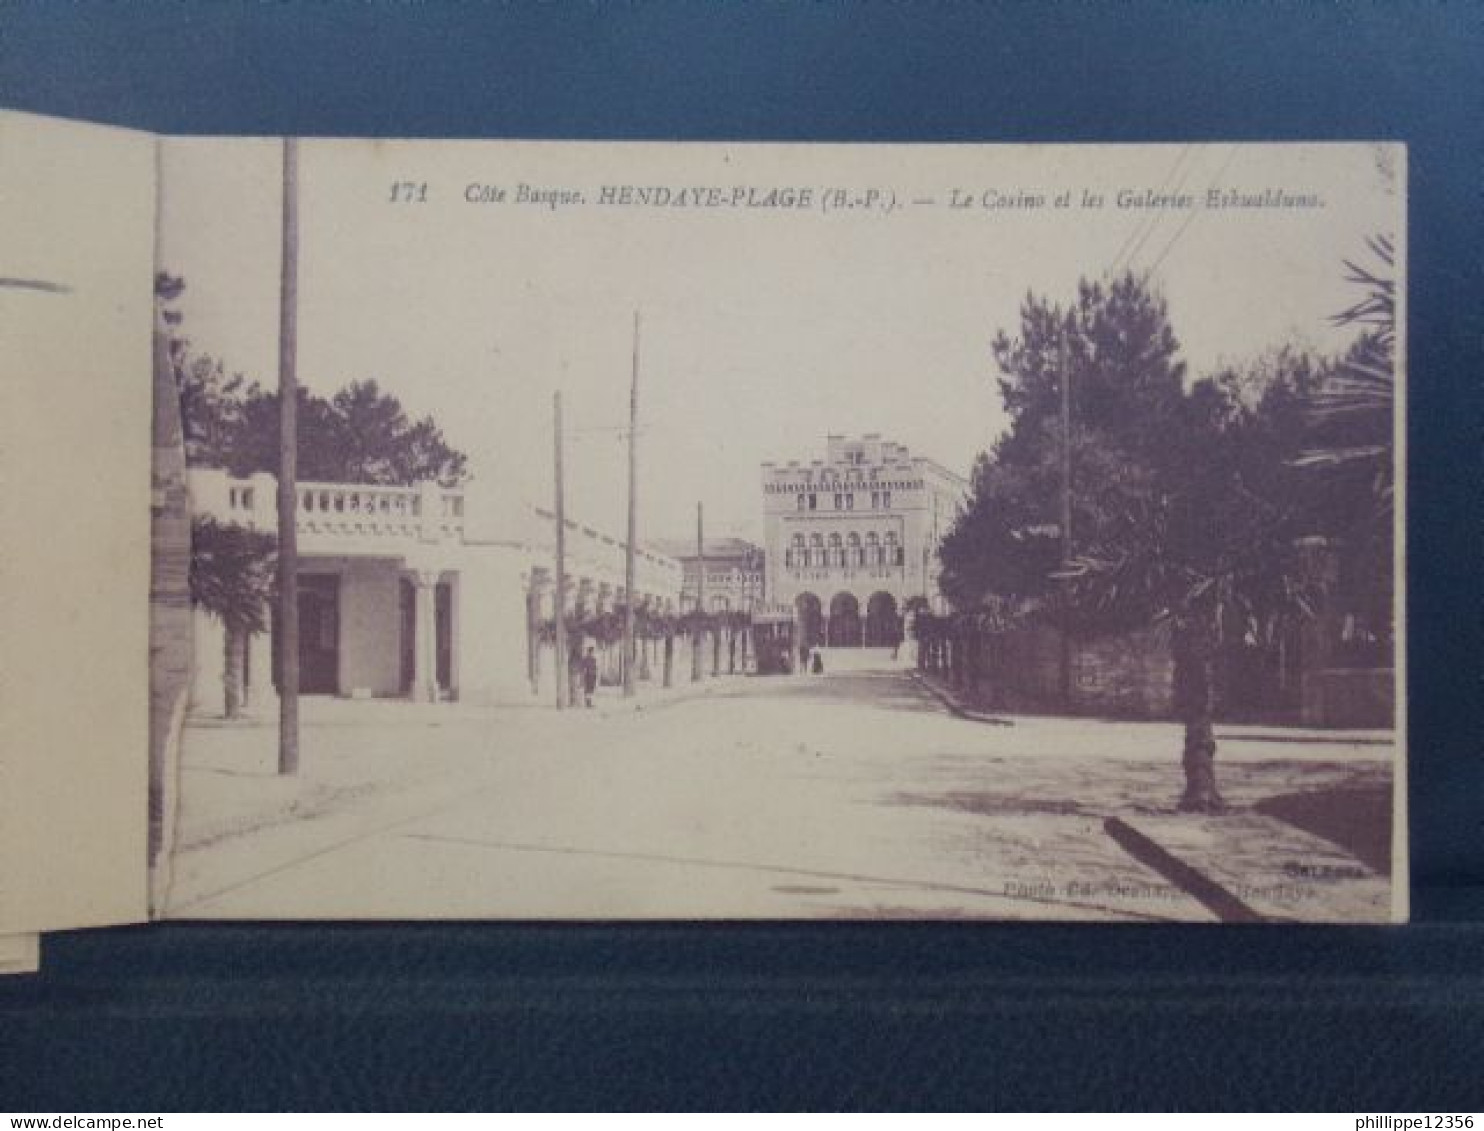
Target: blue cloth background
833, 1016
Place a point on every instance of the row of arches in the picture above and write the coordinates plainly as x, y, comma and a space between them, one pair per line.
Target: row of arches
845, 627
586, 596
844, 550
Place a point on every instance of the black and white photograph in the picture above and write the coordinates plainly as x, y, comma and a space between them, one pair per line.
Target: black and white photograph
615, 531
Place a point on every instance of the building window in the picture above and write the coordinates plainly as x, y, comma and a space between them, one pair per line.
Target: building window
802, 503
837, 551
812, 500
886, 500
853, 554
873, 549
816, 550
850, 501
893, 551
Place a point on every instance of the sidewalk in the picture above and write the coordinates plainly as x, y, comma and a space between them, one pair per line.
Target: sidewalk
965, 708
1307, 835
230, 775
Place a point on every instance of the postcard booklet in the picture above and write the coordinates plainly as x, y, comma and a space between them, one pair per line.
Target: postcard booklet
699, 531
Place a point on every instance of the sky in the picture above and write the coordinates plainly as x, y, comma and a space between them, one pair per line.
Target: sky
761, 329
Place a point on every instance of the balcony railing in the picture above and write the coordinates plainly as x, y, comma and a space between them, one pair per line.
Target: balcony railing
326, 508
845, 573
426, 512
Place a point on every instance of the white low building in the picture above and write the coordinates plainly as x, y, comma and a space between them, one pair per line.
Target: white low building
424, 592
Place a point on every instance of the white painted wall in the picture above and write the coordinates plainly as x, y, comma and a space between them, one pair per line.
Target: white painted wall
370, 627
490, 626
208, 695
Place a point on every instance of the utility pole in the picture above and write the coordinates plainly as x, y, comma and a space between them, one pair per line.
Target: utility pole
749, 564
288, 468
559, 601
628, 565
1066, 511
698, 635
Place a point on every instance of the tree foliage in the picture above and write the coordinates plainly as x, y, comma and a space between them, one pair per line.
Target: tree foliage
1352, 411
1117, 349
1216, 550
1190, 501
361, 434
233, 573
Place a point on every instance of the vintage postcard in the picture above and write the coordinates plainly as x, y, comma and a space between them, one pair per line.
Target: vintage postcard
733, 531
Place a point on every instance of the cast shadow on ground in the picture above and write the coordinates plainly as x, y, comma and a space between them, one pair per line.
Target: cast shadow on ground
1357, 818
887, 691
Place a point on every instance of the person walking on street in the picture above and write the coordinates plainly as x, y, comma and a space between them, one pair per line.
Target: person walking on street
574, 672
589, 675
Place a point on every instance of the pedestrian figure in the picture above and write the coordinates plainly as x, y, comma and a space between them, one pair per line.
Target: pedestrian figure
574, 673
803, 658
816, 665
589, 675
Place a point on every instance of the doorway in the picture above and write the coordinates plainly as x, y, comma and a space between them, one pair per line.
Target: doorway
319, 635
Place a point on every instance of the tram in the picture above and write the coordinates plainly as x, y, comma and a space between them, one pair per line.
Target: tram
773, 642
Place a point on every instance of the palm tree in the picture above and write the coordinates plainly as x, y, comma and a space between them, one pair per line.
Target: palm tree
232, 578
1350, 423
1206, 592
1207, 555
1353, 409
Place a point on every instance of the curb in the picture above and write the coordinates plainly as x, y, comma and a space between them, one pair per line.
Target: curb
1337, 739
955, 707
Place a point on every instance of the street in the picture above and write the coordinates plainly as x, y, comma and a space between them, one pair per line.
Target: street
856, 794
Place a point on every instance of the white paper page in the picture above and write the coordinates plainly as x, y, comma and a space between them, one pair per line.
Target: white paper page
77, 229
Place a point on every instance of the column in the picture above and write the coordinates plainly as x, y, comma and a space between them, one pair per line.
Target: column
425, 639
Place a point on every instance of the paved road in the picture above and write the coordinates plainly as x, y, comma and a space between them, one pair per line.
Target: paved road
850, 795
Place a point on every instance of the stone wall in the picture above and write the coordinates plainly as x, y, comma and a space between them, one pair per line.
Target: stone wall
1126, 676
1130, 675
1350, 697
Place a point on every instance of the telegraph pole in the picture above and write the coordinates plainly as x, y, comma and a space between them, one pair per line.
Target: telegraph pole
698, 635
288, 468
1066, 512
559, 601
628, 565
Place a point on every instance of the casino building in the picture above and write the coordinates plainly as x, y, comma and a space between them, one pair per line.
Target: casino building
851, 538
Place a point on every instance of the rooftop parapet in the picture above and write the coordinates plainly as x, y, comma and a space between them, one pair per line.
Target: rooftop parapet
353, 511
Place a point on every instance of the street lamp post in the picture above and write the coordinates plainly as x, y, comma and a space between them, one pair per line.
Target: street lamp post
1066, 512
628, 581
